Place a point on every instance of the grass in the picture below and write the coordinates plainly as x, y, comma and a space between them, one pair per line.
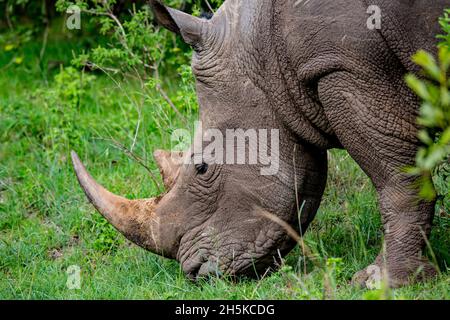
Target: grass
46, 224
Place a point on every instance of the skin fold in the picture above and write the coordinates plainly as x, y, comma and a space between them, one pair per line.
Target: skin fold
317, 73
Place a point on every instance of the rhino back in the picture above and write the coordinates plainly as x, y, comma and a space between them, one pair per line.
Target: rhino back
410, 25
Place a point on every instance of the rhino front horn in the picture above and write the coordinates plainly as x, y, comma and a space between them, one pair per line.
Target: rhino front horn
137, 220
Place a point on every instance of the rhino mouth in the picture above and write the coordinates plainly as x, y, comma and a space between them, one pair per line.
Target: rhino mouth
234, 259
196, 270
213, 267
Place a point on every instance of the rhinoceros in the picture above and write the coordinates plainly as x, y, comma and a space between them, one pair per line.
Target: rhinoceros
324, 73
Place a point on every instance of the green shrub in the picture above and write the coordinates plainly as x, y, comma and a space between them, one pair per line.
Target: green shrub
135, 46
433, 159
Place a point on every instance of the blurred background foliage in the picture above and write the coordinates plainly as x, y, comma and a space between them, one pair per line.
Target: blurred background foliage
115, 33
118, 40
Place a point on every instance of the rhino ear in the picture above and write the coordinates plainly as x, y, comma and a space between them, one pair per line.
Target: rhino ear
185, 25
169, 164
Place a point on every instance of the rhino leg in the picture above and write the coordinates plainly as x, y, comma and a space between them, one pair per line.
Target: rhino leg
379, 133
407, 225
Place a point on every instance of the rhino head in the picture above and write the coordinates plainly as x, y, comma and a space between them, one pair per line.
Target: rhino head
213, 217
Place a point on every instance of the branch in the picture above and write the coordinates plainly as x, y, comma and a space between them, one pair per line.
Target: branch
171, 104
131, 155
209, 6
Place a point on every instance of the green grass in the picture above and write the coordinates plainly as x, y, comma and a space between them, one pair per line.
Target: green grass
46, 224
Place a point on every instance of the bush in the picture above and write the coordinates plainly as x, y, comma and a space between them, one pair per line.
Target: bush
433, 159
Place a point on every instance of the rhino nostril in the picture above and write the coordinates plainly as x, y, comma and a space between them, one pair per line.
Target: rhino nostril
209, 269
194, 266
191, 270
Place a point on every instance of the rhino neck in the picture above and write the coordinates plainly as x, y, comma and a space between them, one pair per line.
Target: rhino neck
259, 26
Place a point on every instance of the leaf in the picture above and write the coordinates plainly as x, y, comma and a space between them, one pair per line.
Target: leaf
445, 137
425, 137
18, 60
413, 171
445, 96
418, 86
444, 58
430, 116
427, 191
9, 47
428, 63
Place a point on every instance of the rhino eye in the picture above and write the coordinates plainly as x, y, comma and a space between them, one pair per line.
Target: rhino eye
201, 168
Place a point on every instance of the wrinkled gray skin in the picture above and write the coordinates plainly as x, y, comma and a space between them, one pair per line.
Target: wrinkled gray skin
317, 73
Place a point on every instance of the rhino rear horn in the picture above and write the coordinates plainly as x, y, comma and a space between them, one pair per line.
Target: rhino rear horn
169, 164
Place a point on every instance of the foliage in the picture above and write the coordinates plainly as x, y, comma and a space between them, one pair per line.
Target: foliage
445, 25
434, 90
136, 45
62, 101
138, 50
14, 12
11, 44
